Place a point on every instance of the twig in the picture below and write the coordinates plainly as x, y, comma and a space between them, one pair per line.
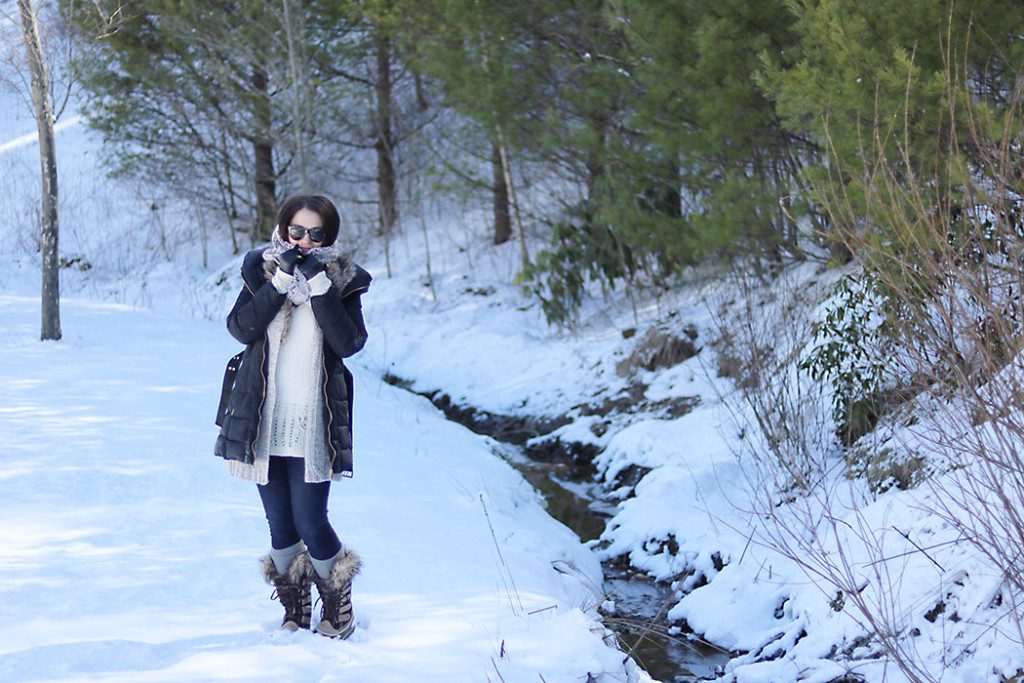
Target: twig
749, 539
909, 540
500, 677
501, 557
543, 609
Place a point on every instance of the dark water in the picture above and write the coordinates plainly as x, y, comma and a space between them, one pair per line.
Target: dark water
638, 618
664, 652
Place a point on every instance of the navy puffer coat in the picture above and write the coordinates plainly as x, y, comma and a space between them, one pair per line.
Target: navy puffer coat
340, 317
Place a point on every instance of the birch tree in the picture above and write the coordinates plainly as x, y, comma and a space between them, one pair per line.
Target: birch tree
42, 101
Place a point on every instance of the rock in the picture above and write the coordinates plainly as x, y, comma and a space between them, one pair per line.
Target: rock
660, 348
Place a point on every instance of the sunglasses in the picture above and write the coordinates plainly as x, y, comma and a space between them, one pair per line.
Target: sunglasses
297, 232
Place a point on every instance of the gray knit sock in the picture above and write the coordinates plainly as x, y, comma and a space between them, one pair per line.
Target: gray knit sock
283, 557
323, 567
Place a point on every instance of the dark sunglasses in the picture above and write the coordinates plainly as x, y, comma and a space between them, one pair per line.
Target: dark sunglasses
297, 232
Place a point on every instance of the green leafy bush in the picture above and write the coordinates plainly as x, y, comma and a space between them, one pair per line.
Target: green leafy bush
850, 354
581, 251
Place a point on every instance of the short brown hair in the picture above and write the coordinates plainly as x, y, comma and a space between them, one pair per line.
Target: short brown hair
322, 206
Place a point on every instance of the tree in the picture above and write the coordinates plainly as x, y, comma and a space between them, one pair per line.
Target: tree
704, 122
366, 61
50, 230
384, 144
193, 95
874, 81
488, 62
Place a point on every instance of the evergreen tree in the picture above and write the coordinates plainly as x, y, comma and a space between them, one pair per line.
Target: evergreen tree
542, 81
188, 94
705, 126
233, 104
481, 57
879, 81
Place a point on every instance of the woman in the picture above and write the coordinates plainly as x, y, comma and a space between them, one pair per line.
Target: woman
288, 422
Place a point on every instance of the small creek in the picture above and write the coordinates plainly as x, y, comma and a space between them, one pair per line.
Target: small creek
640, 603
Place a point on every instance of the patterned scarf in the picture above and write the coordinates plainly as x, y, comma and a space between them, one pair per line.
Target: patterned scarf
299, 293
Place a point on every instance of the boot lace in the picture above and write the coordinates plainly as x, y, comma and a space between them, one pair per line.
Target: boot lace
291, 597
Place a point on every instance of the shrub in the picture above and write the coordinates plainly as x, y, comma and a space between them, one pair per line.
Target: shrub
581, 251
849, 355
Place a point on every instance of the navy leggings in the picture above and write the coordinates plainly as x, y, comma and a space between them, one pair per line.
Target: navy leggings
298, 510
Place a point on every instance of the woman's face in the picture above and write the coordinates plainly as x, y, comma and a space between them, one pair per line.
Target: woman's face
304, 218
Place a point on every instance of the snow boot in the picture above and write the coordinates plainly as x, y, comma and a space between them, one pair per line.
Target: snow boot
337, 619
293, 589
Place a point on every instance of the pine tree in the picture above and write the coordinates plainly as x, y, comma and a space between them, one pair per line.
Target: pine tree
480, 56
188, 95
879, 81
705, 125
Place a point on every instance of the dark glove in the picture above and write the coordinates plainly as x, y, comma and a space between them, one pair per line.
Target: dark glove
288, 259
310, 267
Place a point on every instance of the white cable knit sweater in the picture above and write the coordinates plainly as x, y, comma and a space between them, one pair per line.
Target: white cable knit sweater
292, 420
296, 416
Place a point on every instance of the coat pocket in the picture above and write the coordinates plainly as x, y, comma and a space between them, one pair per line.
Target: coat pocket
228, 384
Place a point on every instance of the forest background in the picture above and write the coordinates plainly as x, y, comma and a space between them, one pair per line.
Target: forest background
626, 145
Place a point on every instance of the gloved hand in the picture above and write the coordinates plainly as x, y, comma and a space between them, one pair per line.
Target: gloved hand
289, 259
310, 267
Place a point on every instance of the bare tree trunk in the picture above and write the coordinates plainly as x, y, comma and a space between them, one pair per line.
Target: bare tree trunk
421, 96
227, 188
298, 63
50, 327
263, 152
502, 217
387, 190
506, 170
502, 150
598, 122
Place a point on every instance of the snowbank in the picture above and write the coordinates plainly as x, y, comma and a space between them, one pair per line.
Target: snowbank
129, 553
695, 518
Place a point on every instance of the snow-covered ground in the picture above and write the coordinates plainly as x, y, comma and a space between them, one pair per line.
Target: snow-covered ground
698, 518
127, 552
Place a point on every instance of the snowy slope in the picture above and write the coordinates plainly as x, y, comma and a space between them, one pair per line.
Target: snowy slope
692, 519
128, 553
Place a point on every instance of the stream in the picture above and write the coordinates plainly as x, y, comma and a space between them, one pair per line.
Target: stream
638, 620
640, 603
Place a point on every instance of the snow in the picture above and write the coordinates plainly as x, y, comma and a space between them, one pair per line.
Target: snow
696, 519
29, 139
129, 554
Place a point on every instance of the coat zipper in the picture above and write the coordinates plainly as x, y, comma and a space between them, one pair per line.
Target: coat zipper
327, 407
263, 398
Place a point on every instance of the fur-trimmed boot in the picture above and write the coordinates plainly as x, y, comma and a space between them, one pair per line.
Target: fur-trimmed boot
337, 620
293, 589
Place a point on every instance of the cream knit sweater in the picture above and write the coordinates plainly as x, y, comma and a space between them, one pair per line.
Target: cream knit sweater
292, 420
296, 418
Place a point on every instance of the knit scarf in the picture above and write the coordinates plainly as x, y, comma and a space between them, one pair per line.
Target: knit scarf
298, 292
